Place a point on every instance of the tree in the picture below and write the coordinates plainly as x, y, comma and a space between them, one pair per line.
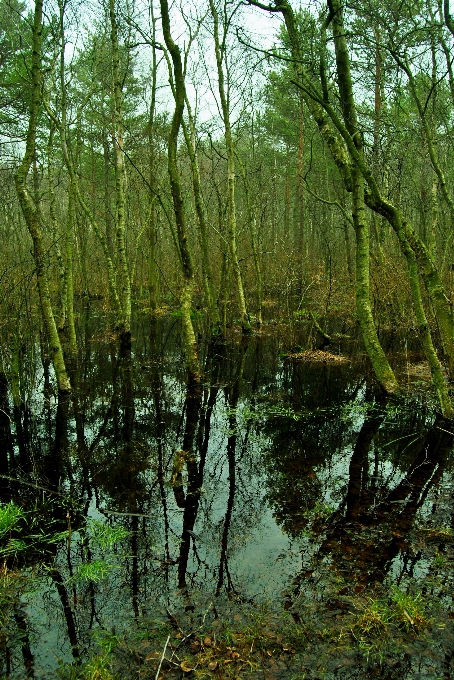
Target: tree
220, 47
30, 206
340, 128
190, 343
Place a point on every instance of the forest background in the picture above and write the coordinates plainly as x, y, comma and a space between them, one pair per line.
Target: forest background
178, 158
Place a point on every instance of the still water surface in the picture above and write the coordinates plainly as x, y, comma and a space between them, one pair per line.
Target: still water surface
283, 483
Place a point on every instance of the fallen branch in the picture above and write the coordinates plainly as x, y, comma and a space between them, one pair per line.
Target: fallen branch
33, 486
162, 657
193, 632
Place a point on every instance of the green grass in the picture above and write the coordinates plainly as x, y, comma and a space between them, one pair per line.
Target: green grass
10, 516
409, 611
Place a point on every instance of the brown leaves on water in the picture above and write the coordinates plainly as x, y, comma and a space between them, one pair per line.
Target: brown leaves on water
187, 666
222, 655
317, 356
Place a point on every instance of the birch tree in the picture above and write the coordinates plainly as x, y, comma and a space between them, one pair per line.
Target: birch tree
220, 46
30, 207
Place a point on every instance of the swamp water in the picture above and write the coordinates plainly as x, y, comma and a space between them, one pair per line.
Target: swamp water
281, 522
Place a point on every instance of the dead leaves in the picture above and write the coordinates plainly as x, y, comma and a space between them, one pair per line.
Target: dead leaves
221, 654
187, 666
316, 356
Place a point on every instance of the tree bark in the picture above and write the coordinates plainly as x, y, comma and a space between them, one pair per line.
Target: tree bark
120, 181
189, 339
231, 215
202, 217
31, 211
74, 179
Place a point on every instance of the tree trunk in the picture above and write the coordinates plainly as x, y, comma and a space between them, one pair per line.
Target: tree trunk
252, 225
381, 366
31, 211
74, 179
120, 183
231, 214
425, 335
202, 217
72, 338
153, 280
189, 339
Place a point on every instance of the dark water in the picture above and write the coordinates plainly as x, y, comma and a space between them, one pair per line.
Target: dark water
289, 485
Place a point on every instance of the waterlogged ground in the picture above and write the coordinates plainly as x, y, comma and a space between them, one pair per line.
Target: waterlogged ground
283, 521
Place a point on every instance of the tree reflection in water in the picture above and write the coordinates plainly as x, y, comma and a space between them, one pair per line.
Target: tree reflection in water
219, 490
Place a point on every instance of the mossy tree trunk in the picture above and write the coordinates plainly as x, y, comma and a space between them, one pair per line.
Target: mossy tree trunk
349, 113
30, 209
223, 297
404, 230
67, 292
353, 180
374, 349
251, 216
377, 202
124, 323
71, 222
300, 235
153, 278
380, 363
426, 336
202, 218
189, 339
343, 141
53, 223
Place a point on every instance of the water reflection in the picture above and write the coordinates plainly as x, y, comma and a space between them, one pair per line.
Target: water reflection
381, 489
172, 496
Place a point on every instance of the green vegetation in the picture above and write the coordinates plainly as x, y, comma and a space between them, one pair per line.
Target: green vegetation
21, 531
296, 198
253, 640
94, 571
10, 515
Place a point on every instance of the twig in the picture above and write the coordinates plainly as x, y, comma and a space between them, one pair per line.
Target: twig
186, 637
443, 430
123, 514
205, 615
324, 200
162, 657
173, 620
33, 486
